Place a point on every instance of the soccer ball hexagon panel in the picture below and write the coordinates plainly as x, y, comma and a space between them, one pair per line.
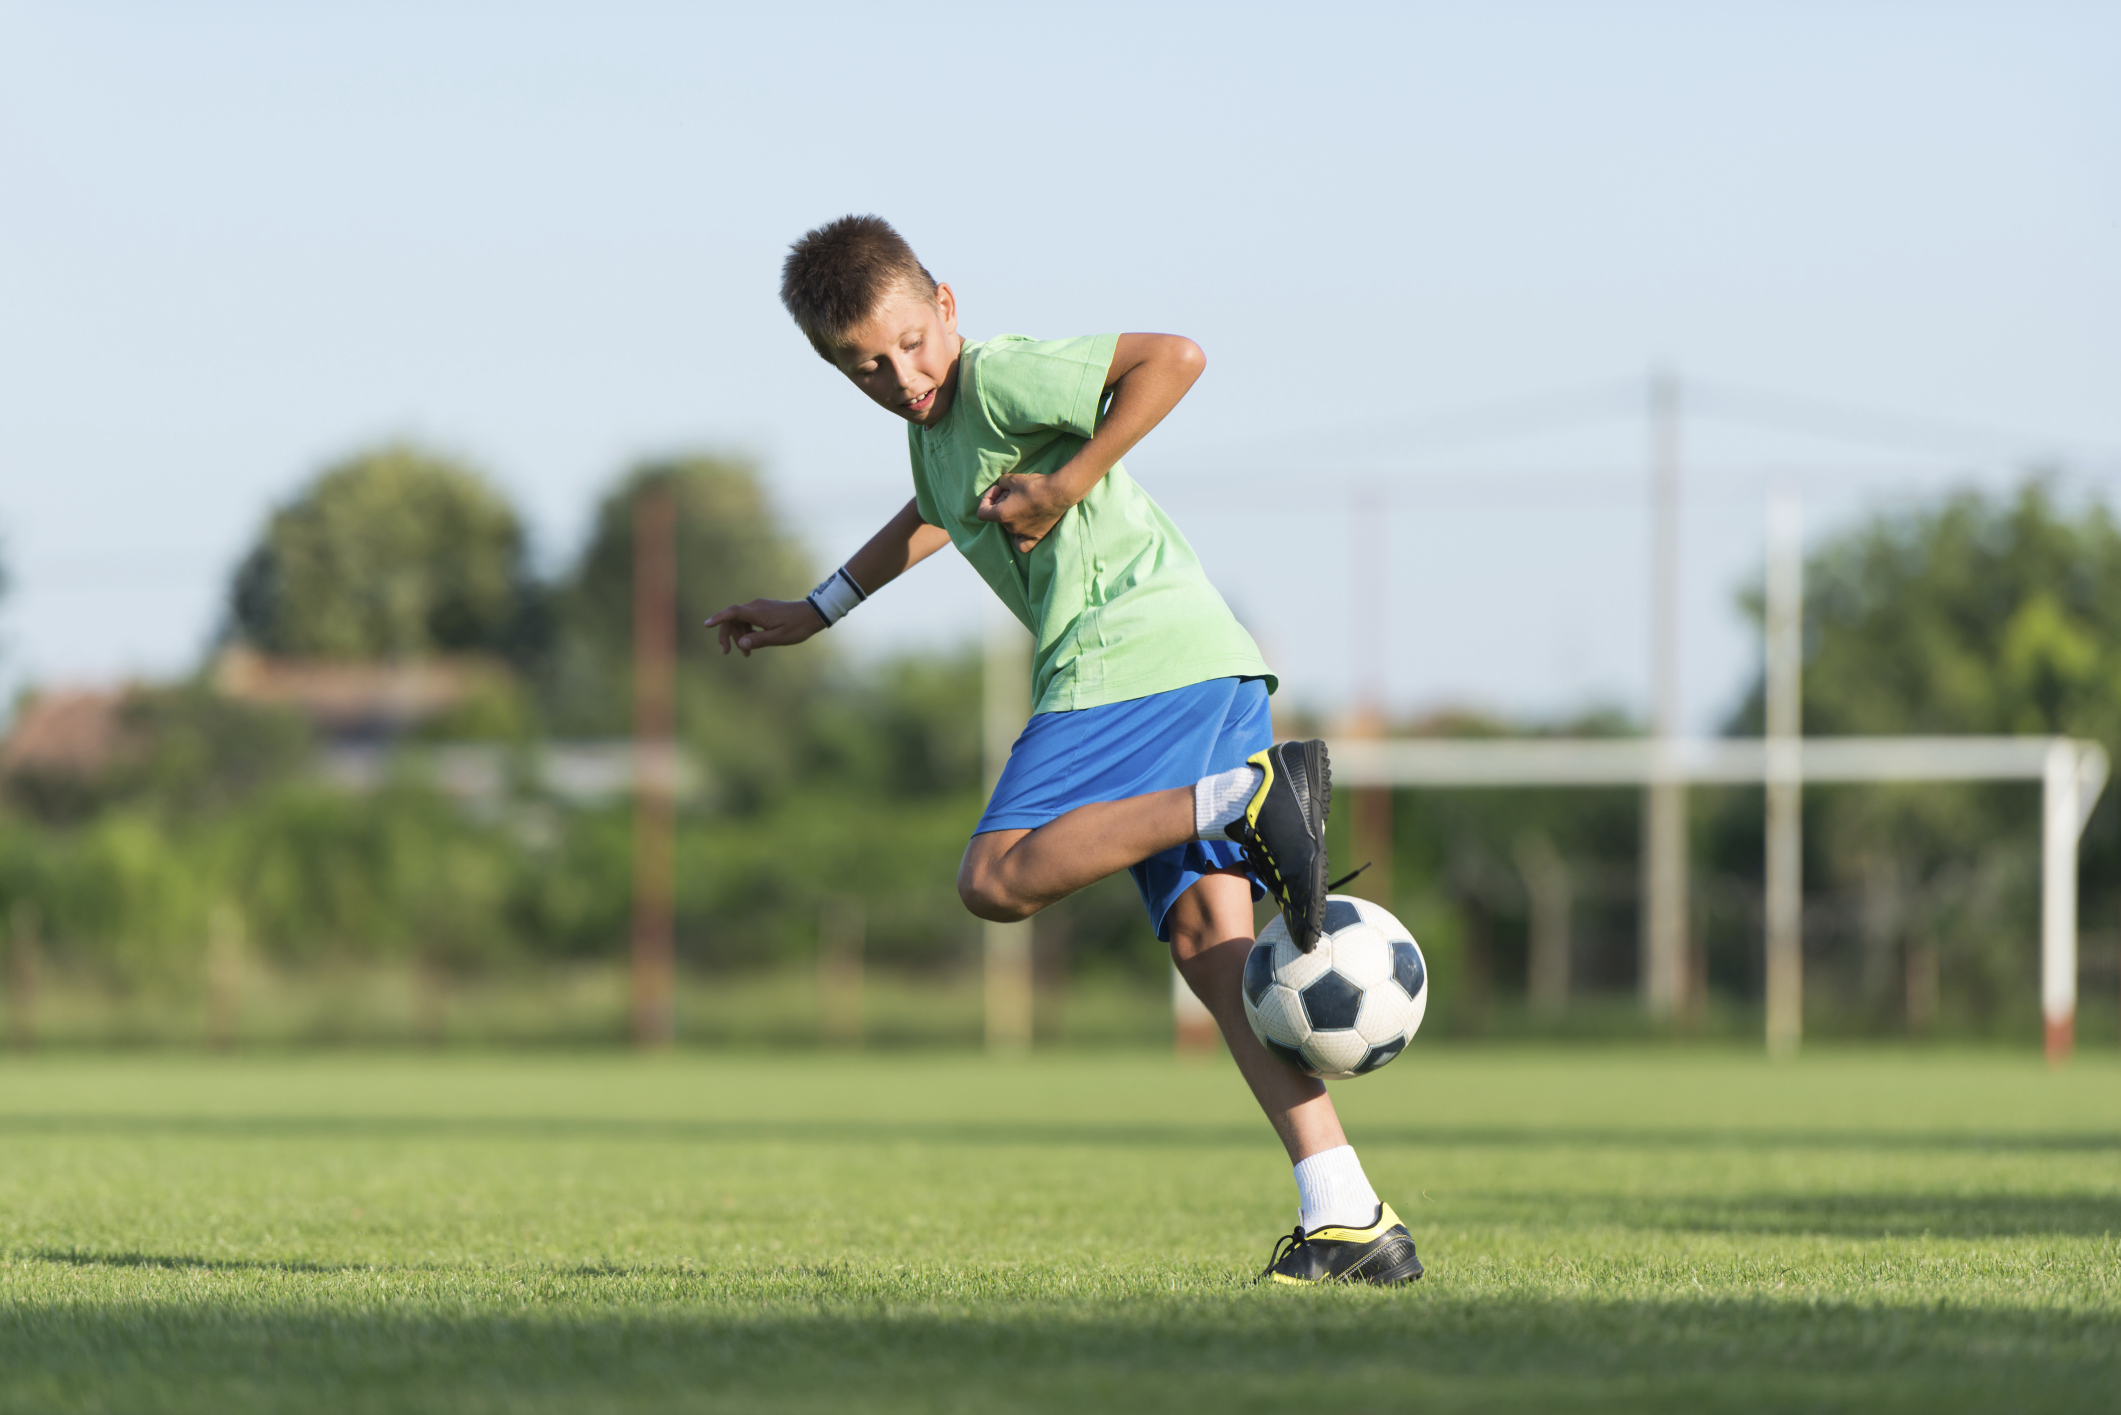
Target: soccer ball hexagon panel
1349, 1005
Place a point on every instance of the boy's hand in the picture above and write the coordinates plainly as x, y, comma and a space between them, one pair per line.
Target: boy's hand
1026, 506
1149, 374
766, 623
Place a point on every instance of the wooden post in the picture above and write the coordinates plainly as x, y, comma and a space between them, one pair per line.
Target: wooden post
654, 759
1664, 816
224, 975
430, 1004
1922, 982
1785, 777
841, 934
1552, 894
1193, 1029
22, 959
1370, 834
1049, 980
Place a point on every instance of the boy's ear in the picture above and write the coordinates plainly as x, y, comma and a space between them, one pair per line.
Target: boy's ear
946, 301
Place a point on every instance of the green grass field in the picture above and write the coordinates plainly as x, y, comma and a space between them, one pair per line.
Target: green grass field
1649, 1229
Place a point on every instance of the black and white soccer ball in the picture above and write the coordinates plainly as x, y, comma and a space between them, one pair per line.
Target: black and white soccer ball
1349, 1005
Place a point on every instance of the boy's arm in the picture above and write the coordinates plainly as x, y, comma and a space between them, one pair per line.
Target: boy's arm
904, 542
1149, 374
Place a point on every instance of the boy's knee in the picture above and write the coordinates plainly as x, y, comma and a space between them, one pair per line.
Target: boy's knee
987, 899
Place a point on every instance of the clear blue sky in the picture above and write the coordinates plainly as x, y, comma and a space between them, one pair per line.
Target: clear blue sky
239, 240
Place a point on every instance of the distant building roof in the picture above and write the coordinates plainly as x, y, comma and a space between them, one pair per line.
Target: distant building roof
65, 733
356, 699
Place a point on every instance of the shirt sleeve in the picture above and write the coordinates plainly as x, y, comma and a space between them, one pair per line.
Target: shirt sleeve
1026, 385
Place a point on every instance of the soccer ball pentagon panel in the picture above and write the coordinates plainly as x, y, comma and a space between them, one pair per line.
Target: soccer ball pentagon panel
1349, 1005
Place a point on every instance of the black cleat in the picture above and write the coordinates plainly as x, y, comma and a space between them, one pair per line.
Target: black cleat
1283, 834
1382, 1254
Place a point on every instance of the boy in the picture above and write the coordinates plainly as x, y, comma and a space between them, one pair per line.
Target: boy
1150, 747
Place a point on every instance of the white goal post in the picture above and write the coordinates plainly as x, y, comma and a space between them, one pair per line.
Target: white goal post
2072, 774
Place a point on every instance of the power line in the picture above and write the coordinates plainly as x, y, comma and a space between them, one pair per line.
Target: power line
1785, 412
1504, 420
1613, 400
1511, 419
1531, 490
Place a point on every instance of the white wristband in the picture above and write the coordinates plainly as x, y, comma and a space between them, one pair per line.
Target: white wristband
838, 595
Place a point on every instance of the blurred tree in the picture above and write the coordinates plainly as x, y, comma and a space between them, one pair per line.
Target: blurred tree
908, 727
1977, 616
1980, 615
399, 874
744, 717
196, 751
394, 553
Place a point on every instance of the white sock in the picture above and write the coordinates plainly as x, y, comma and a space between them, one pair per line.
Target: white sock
1220, 800
1333, 1190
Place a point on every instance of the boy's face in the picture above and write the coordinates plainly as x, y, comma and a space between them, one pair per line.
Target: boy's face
905, 355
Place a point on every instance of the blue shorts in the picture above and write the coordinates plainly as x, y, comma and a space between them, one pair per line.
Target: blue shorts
1069, 759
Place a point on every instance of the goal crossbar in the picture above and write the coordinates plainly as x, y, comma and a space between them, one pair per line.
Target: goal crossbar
2072, 774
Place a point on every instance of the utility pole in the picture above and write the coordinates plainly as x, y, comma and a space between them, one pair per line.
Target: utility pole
1369, 626
1551, 893
654, 758
1664, 815
1006, 705
1785, 774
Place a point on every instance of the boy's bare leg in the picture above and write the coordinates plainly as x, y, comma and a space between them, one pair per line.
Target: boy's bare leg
1211, 933
1012, 874
1345, 1232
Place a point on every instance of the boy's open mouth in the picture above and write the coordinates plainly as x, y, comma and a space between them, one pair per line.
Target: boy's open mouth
923, 403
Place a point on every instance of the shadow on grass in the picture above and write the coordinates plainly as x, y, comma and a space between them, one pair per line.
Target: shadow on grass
1874, 1214
838, 1342
78, 1258
1159, 1133
192, 1262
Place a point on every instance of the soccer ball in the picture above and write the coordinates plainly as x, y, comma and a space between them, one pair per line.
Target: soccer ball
1349, 1005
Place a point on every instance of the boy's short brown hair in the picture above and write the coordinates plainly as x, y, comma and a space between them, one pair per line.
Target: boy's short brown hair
839, 274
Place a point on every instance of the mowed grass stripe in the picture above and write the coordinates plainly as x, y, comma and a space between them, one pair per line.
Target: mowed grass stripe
1604, 1230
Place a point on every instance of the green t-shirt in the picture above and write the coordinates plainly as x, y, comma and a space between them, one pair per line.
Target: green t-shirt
1115, 599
